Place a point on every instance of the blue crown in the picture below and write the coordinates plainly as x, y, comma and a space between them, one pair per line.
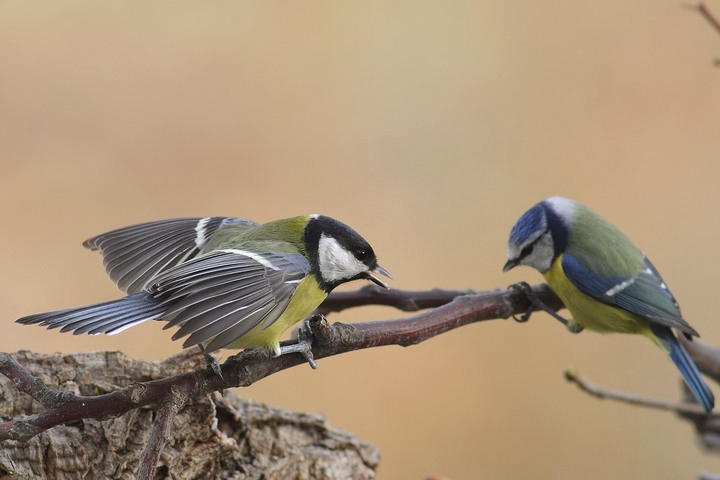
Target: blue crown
532, 221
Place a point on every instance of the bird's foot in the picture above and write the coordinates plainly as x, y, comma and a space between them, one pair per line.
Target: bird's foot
537, 304
210, 362
573, 326
303, 344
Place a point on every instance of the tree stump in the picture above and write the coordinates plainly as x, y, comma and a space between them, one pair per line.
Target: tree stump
212, 437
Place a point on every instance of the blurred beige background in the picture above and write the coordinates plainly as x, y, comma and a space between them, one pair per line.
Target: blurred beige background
429, 127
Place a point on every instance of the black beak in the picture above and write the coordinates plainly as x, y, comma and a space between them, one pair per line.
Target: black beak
511, 263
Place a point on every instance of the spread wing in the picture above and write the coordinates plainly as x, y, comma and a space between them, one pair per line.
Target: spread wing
133, 255
217, 297
645, 294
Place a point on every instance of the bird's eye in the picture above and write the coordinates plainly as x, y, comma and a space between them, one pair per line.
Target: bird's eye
527, 250
361, 254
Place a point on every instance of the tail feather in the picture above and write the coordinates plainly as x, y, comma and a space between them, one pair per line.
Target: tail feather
106, 317
684, 363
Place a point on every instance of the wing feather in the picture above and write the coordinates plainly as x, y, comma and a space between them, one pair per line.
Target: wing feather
644, 294
214, 312
231, 334
219, 296
216, 295
252, 315
133, 255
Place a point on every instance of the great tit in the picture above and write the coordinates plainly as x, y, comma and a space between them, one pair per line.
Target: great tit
226, 282
605, 281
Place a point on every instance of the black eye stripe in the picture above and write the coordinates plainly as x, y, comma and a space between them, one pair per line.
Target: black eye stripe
527, 250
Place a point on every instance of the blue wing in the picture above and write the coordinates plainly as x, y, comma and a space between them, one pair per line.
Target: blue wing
644, 294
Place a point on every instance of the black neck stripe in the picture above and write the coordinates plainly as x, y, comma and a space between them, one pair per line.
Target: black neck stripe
558, 230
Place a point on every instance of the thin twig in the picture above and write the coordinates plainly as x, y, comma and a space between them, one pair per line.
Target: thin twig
709, 16
600, 392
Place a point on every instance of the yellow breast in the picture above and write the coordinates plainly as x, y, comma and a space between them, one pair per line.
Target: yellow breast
590, 313
307, 298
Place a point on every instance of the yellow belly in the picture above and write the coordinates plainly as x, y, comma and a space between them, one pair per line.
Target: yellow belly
306, 299
590, 313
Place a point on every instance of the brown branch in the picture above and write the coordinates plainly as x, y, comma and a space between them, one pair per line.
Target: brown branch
160, 435
76, 407
34, 387
452, 309
405, 300
250, 366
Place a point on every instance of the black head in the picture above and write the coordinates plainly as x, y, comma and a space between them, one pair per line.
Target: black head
338, 254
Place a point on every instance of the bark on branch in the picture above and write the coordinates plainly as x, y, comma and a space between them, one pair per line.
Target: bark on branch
250, 366
100, 404
120, 390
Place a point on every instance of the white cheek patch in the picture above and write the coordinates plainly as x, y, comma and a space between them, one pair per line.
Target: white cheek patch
542, 255
336, 262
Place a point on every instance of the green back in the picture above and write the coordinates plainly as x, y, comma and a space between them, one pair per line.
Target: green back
602, 247
280, 236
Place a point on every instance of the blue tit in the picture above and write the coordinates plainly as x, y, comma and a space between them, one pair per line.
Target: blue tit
604, 280
225, 282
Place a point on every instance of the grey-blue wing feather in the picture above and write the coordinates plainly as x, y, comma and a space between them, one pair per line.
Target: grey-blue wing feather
214, 298
133, 255
106, 317
644, 294
221, 295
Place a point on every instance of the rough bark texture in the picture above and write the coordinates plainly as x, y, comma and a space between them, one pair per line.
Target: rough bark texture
211, 437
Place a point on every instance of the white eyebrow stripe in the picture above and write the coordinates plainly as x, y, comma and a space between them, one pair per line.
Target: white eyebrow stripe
258, 258
620, 287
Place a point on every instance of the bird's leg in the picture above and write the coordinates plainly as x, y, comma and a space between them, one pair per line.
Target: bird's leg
573, 326
210, 362
537, 304
303, 345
